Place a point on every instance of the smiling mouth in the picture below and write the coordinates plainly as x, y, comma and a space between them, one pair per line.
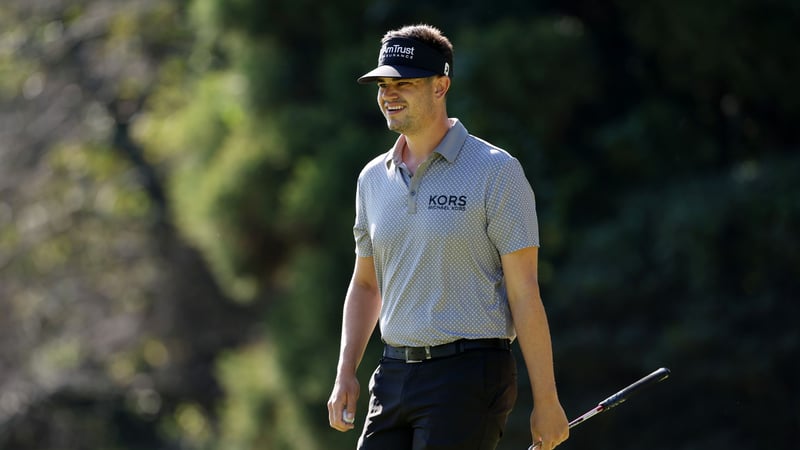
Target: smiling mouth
394, 108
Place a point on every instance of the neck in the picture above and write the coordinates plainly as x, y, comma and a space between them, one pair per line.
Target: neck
421, 144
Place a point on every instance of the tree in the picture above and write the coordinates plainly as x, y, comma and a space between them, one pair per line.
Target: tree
658, 138
101, 299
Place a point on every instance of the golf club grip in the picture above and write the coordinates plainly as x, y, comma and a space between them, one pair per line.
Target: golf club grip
623, 395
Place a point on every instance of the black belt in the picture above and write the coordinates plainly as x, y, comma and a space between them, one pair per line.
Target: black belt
419, 354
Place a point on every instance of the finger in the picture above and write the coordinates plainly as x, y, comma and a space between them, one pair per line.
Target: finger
347, 420
331, 415
349, 415
542, 445
550, 445
337, 423
339, 416
335, 417
555, 442
349, 409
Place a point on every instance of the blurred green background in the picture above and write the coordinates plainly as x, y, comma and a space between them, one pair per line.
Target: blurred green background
177, 186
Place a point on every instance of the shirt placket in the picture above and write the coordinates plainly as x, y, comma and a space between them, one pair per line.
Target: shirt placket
416, 180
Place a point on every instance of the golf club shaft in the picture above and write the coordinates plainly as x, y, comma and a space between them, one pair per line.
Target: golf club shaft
587, 415
614, 400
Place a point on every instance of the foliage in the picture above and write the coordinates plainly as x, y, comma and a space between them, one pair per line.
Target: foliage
100, 300
658, 136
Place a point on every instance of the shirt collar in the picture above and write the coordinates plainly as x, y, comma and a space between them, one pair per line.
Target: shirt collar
449, 147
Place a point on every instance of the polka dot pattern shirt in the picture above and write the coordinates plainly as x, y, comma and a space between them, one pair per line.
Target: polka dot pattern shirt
436, 238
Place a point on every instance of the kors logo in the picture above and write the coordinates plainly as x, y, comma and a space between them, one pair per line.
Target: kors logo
448, 202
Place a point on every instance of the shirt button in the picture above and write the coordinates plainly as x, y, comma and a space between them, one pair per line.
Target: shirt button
413, 193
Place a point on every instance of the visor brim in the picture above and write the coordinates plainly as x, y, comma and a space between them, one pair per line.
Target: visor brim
394, 72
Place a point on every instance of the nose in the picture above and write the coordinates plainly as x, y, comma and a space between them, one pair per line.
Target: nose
388, 92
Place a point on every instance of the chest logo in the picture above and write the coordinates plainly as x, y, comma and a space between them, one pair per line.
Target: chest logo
448, 202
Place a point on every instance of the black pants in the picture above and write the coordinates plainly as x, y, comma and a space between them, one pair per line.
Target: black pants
455, 403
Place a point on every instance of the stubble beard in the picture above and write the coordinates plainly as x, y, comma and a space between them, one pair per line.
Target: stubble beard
401, 127
410, 123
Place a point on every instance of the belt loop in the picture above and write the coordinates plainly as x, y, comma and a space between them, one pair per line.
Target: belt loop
427, 352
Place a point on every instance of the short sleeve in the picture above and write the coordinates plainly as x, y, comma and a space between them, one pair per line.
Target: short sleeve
511, 210
361, 227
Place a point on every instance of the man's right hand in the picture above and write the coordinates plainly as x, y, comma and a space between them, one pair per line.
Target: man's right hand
342, 403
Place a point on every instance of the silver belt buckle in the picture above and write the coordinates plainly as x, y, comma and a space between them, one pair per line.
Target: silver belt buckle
427, 355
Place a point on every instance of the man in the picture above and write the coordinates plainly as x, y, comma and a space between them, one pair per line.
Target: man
446, 262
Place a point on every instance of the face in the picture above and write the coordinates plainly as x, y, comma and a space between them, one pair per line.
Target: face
406, 103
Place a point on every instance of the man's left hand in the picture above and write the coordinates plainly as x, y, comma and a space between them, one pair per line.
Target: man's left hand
549, 425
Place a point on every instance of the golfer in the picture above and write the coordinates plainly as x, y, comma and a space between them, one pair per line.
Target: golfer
446, 264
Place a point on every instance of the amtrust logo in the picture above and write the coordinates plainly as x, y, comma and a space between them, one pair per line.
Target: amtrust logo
397, 51
448, 202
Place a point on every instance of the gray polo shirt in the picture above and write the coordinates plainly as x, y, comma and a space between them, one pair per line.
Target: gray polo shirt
436, 238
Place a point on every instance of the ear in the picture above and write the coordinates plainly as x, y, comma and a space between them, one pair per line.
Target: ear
440, 86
